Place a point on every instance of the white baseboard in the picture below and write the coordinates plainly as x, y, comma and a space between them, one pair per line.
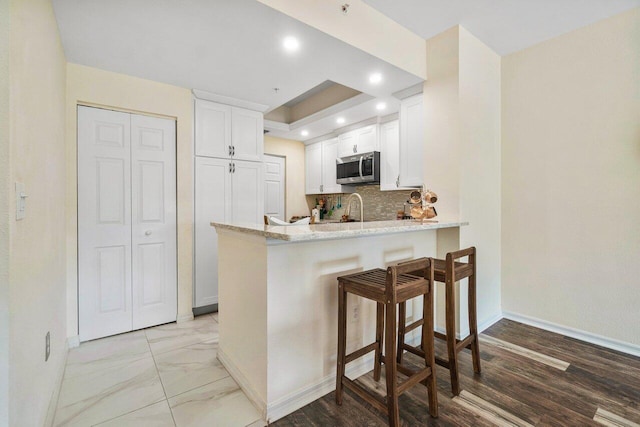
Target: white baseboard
184, 318
243, 382
302, 397
481, 327
589, 337
73, 342
53, 401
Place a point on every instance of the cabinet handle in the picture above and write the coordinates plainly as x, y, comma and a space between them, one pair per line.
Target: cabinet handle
398, 181
229, 151
147, 233
355, 148
233, 150
234, 168
321, 188
229, 167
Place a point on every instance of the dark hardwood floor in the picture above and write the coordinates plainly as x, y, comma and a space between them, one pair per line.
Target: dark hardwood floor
518, 386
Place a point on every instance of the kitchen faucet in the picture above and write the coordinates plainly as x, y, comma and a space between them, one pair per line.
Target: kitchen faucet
347, 211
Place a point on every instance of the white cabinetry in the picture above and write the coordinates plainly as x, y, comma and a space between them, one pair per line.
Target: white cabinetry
411, 141
320, 167
390, 156
229, 183
228, 132
363, 140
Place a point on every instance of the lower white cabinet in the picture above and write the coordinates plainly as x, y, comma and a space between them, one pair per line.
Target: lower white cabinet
411, 141
225, 191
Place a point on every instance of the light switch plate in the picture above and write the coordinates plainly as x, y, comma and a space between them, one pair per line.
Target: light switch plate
21, 201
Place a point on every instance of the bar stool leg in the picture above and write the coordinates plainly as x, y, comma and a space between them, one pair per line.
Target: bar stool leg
390, 365
429, 350
473, 317
402, 323
451, 331
379, 340
342, 340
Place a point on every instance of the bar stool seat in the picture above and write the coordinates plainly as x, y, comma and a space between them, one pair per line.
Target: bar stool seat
388, 288
449, 271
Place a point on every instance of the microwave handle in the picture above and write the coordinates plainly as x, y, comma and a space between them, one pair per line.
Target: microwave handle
360, 166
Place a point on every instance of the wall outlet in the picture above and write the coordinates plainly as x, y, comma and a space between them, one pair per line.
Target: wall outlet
47, 346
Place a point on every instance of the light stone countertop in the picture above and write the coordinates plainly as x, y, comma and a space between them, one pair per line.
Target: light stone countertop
344, 230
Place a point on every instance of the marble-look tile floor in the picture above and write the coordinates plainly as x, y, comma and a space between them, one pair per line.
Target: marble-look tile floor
163, 376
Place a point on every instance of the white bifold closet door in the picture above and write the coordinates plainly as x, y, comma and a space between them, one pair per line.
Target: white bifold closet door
127, 256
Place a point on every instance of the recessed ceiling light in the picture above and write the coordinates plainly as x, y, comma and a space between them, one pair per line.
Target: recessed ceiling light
304, 133
375, 78
340, 120
291, 44
381, 106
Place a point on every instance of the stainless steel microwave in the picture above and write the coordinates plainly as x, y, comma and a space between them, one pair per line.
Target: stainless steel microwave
359, 169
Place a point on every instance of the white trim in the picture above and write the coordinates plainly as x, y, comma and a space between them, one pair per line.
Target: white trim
53, 401
243, 382
302, 397
272, 125
184, 318
589, 337
73, 342
410, 91
201, 94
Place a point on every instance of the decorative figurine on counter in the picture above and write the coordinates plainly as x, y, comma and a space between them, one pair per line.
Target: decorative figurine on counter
422, 204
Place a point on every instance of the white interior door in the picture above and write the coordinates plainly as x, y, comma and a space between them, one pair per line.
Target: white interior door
153, 210
127, 276
104, 223
274, 188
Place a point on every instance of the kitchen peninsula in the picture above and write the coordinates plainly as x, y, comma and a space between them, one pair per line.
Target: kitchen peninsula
278, 301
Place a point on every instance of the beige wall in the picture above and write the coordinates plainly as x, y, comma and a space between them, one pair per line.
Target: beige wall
462, 158
363, 27
571, 180
91, 86
5, 195
37, 243
293, 151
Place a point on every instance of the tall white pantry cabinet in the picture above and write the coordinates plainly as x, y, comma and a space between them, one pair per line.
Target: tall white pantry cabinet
229, 184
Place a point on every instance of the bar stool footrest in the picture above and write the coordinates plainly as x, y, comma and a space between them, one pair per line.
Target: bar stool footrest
361, 352
365, 395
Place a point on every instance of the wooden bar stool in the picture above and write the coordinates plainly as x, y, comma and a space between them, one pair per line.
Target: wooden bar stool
449, 271
388, 288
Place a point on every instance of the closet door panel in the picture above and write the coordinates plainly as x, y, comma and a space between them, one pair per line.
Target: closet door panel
153, 234
104, 223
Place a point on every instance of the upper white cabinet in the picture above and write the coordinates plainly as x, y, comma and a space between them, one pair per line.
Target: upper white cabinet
247, 140
313, 168
363, 140
223, 131
213, 129
320, 168
411, 142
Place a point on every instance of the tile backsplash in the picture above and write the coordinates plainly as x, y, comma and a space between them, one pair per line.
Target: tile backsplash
378, 205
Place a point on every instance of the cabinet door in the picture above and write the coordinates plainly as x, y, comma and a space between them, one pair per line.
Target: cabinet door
329, 155
411, 141
313, 168
347, 144
367, 140
389, 155
247, 186
247, 134
212, 203
213, 129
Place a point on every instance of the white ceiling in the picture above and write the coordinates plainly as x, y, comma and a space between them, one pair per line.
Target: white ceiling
227, 47
234, 47
505, 26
